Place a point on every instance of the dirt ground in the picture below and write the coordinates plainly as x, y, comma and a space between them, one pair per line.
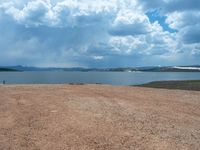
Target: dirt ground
102, 117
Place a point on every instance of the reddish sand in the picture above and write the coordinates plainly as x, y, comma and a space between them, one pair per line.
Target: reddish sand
87, 117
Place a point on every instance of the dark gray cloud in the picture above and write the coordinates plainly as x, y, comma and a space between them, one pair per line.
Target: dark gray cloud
182, 5
191, 34
168, 6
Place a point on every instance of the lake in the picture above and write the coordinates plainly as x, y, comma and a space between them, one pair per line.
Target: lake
113, 78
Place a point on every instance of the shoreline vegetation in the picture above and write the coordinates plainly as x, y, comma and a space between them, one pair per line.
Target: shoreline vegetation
192, 85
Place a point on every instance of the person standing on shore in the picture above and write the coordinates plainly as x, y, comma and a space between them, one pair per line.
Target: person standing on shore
4, 82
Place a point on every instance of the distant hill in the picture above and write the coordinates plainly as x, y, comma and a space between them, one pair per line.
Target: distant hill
194, 68
172, 69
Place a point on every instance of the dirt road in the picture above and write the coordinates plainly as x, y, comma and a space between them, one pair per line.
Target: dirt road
87, 117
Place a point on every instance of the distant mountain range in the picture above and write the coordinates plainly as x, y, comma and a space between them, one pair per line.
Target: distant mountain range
193, 68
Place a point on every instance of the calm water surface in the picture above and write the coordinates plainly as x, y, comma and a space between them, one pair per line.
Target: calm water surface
113, 78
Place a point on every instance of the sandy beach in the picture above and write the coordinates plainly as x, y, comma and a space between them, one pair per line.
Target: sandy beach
102, 117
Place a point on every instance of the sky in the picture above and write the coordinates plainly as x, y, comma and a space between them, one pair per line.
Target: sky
99, 33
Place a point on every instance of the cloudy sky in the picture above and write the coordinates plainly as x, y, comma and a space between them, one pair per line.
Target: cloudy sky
99, 33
